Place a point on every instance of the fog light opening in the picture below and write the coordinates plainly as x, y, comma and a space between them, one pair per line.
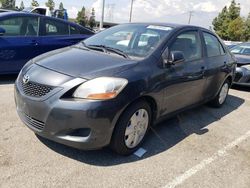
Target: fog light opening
84, 132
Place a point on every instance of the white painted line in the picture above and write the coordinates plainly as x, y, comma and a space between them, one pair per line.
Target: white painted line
221, 153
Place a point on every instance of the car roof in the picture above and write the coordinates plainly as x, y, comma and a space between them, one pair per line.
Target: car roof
173, 25
15, 13
245, 44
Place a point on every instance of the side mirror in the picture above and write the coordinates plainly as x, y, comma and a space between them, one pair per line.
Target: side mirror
173, 57
176, 57
2, 31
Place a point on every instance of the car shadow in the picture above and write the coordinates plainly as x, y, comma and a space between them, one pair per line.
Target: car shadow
8, 79
161, 137
241, 88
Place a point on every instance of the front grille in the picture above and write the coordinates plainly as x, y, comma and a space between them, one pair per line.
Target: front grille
238, 76
35, 90
39, 125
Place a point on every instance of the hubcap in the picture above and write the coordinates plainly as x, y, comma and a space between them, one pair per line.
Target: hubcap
136, 128
223, 93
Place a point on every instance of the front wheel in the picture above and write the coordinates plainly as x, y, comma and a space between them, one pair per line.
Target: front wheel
220, 99
131, 129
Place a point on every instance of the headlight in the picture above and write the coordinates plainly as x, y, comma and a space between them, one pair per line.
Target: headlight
102, 88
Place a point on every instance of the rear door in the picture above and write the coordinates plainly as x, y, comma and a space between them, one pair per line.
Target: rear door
185, 81
216, 59
20, 42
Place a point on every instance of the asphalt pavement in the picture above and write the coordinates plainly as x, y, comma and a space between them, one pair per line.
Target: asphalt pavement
202, 147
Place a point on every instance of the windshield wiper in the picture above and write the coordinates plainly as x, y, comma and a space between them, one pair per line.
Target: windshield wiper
107, 48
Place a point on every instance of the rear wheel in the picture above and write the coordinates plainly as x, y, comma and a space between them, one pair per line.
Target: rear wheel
220, 99
131, 129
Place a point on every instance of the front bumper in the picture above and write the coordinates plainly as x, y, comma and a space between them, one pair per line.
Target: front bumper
82, 124
242, 76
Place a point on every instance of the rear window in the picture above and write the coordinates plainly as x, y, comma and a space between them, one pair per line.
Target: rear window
74, 30
53, 27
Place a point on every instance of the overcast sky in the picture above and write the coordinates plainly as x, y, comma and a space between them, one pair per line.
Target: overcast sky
176, 11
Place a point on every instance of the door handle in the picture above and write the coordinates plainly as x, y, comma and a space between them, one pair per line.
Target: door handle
203, 69
34, 43
198, 75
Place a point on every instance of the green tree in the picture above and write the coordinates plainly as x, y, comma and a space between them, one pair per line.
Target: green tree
236, 29
229, 25
8, 4
233, 10
246, 32
50, 4
34, 3
21, 6
221, 23
81, 17
91, 21
60, 13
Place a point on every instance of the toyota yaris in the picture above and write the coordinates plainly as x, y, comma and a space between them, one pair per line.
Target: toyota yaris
109, 89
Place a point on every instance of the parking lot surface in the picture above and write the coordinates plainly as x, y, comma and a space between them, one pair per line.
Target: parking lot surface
202, 147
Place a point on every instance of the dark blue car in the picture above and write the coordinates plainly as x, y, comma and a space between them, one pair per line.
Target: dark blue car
25, 35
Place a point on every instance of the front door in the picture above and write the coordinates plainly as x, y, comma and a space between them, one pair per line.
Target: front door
19, 44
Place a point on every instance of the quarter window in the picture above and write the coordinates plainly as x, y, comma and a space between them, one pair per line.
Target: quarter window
189, 44
74, 30
213, 46
20, 26
56, 28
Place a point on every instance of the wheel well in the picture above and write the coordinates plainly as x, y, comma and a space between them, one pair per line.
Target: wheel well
152, 104
230, 79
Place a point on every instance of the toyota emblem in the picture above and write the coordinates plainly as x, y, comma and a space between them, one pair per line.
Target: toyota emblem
26, 79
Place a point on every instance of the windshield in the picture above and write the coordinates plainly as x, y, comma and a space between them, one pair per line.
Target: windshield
132, 39
244, 50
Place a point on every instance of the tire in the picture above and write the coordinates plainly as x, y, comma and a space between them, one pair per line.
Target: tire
126, 139
221, 97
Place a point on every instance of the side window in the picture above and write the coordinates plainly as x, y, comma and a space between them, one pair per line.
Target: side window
86, 32
214, 47
20, 26
74, 30
246, 51
149, 38
53, 27
190, 44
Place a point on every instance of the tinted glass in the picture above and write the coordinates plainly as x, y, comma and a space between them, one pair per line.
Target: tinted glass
133, 39
213, 46
86, 31
55, 28
20, 26
189, 44
74, 30
246, 51
241, 49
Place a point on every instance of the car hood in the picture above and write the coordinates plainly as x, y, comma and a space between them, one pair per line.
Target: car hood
242, 59
80, 62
